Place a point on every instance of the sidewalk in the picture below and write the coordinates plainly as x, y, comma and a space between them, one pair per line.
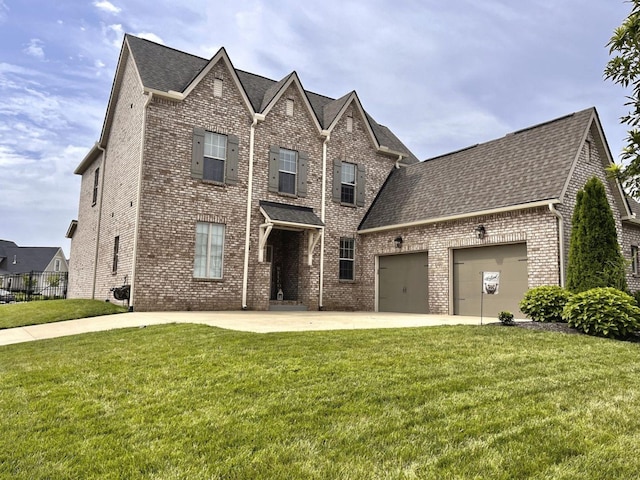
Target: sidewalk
249, 321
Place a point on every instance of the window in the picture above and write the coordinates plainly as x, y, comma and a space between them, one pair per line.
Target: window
215, 153
96, 178
217, 87
288, 169
209, 250
56, 265
116, 249
347, 248
348, 187
635, 264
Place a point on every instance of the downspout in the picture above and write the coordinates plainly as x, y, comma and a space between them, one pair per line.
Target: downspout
327, 136
138, 203
247, 235
558, 215
95, 259
398, 164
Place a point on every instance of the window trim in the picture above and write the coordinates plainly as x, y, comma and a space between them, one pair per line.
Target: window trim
56, 265
635, 263
215, 158
353, 185
116, 254
294, 174
96, 183
347, 249
207, 267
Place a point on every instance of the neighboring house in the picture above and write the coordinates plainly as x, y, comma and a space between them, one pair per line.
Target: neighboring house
33, 268
213, 188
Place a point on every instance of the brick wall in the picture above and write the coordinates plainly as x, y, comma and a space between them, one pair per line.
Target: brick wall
536, 227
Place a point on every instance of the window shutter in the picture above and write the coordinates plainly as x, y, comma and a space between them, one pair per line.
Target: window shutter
360, 184
337, 180
197, 156
274, 159
303, 167
231, 176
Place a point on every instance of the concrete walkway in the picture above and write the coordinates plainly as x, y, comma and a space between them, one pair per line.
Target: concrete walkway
258, 322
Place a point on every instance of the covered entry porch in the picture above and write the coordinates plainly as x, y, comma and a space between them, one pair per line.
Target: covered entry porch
287, 240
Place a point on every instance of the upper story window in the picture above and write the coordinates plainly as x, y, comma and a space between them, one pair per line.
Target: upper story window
215, 154
348, 184
56, 265
96, 180
635, 263
214, 157
288, 170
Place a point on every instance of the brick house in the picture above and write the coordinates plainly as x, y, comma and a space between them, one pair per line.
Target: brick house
213, 188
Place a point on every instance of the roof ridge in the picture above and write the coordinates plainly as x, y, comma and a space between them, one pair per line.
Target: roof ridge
522, 130
167, 47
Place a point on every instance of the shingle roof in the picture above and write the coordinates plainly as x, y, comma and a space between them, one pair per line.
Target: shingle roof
27, 258
166, 69
291, 213
523, 167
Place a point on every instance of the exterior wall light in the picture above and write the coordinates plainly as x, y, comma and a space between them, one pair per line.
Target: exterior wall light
397, 242
480, 231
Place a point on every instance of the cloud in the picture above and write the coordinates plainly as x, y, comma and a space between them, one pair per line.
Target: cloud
34, 49
107, 6
150, 36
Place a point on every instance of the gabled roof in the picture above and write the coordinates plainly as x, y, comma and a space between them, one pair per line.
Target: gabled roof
164, 69
528, 166
27, 259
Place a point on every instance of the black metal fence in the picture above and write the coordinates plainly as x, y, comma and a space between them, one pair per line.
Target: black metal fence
27, 287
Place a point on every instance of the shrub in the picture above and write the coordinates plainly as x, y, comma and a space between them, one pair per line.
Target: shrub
506, 318
545, 304
603, 312
636, 295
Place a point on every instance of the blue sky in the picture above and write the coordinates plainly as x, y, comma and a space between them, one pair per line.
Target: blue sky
441, 75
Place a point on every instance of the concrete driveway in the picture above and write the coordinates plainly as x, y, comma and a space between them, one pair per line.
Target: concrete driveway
250, 321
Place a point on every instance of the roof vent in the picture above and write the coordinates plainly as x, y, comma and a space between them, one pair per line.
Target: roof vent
217, 87
289, 107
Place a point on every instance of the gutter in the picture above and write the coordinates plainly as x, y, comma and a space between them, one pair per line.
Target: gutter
257, 117
138, 203
429, 221
558, 215
327, 136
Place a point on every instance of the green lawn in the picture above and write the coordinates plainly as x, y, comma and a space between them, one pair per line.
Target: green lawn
47, 311
194, 402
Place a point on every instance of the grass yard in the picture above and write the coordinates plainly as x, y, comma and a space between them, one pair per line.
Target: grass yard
47, 311
194, 402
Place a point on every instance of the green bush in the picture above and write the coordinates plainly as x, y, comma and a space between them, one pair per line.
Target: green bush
603, 312
636, 295
545, 304
506, 318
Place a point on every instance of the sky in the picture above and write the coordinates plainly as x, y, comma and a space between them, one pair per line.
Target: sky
440, 75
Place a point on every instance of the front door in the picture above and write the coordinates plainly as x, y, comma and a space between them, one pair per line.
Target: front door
285, 264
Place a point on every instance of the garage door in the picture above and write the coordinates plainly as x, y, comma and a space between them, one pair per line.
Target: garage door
509, 260
403, 283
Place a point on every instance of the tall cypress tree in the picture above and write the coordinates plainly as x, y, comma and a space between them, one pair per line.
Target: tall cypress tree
575, 257
594, 253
